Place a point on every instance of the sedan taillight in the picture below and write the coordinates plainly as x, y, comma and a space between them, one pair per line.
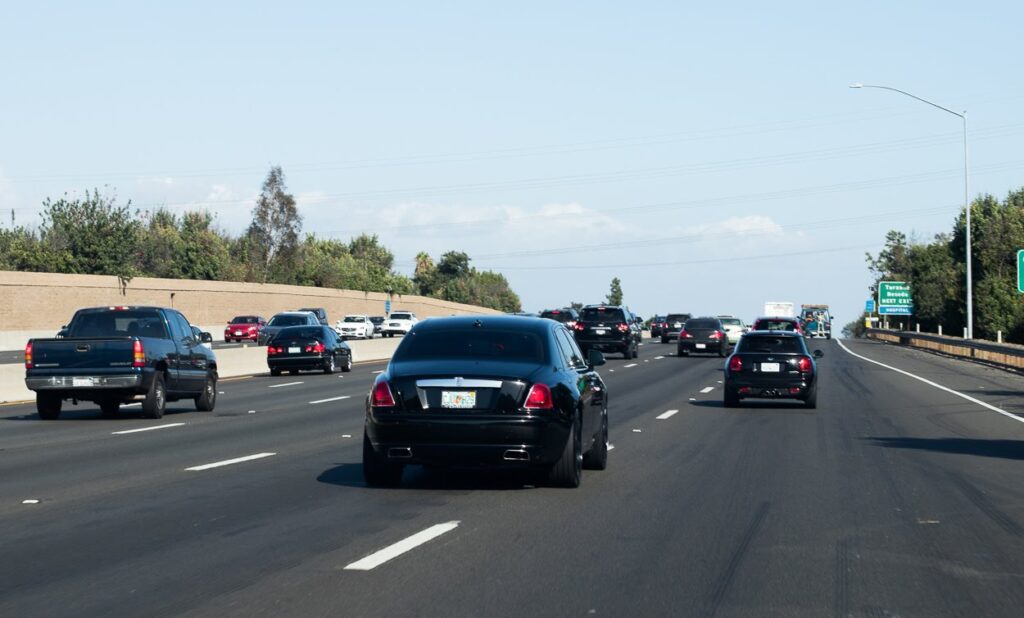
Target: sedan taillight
539, 398
382, 397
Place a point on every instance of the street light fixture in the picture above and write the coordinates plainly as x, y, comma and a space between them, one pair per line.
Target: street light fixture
967, 198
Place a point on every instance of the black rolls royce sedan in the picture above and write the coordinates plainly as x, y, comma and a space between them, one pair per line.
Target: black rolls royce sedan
500, 391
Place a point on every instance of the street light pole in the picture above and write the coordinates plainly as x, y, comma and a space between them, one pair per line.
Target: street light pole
967, 199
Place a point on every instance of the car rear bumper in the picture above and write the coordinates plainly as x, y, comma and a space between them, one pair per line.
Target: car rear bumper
83, 383
604, 345
478, 441
783, 388
314, 361
690, 346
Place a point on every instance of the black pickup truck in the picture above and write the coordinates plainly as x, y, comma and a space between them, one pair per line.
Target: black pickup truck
116, 355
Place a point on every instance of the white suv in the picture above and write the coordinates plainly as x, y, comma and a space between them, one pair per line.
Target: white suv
354, 326
734, 328
399, 322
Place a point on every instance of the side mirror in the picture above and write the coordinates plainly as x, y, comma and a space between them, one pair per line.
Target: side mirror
818, 354
205, 338
595, 358
62, 333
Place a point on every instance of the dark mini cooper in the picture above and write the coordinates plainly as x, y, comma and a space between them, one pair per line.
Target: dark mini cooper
772, 365
308, 347
500, 391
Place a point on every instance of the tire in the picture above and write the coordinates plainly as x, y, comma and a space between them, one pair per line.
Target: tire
731, 399
275, 372
206, 400
347, 367
110, 408
811, 398
293, 372
627, 352
378, 472
681, 353
723, 351
664, 339
329, 364
48, 406
568, 470
155, 403
597, 457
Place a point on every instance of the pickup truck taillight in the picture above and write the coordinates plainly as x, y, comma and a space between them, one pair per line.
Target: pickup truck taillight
28, 355
138, 354
622, 327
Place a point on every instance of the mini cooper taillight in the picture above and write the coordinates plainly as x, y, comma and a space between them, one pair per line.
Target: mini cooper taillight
382, 397
735, 364
804, 364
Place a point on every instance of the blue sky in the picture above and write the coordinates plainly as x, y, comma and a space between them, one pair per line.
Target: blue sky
712, 157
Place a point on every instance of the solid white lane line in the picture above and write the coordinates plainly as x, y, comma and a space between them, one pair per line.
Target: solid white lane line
668, 414
331, 399
121, 433
391, 552
930, 383
228, 462
629, 365
707, 389
286, 384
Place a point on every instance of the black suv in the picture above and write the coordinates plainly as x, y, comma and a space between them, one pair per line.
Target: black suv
567, 316
672, 324
608, 328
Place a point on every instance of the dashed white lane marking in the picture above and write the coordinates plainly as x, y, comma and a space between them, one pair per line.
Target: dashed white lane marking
126, 431
693, 399
286, 384
381, 371
228, 462
132, 405
391, 552
637, 430
629, 365
668, 414
719, 381
611, 447
658, 357
346, 435
707, 389
938, 386
31, 501
331, 399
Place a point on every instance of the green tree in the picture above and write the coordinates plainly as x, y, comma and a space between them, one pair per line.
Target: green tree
425, 276
91, 235
274, 232
615, 293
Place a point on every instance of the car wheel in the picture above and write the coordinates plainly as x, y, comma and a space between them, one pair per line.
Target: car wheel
155, 403
811, 398
347, 367
208, 398
636, 351
110, 408
681, 352
377, 472
48, 406
732, 399
275, 372
329, 364
664, 339
566, 472
723, 351
597, 457
293, 372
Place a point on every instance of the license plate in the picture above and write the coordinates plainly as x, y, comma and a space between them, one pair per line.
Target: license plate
701, 346
81, 382
394, 324
294, 350
771, 367
600, 331
458, 399
238, 332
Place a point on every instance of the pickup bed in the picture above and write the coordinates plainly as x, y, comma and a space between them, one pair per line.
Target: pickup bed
116, 355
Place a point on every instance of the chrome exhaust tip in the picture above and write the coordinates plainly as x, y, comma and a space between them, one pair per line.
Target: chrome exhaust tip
516, 455
402, 452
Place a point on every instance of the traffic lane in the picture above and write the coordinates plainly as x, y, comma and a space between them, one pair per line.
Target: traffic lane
767, 509
265, 517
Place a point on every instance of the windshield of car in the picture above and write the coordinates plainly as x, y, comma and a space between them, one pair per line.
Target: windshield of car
377, 319
355, 318
300, 332
472, 344
602, 314
244, 319
774, 325
677, 317
126, 323
557, 315
768, 344
288, 320
732, 321
401, 316
702, 324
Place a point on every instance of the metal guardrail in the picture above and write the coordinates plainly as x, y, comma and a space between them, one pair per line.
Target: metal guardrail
1001, 354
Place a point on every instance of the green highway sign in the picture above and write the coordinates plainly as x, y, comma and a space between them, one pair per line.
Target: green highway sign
894, 298
1020, 271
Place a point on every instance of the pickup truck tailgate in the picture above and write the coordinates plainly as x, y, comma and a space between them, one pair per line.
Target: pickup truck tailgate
76, 354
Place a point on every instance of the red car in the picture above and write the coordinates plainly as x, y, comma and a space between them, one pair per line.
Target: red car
244, 327
778, 323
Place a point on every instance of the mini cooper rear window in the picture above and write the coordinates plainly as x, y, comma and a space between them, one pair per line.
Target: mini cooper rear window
472, 344
768, 344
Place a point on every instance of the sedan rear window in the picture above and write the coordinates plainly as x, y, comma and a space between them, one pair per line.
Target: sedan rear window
602, 314
245, 319
301, 332
355, 318
768, 345
400, 316
288, 320
677, 317
472, 344
702, 325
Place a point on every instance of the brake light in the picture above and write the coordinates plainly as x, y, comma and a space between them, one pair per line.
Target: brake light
539, 398
28, 355
804, 364
571, 324
577, 326
317, 348
382, 395
138, 354
622, 327
735, 364
685, 335
271, 350
716, 335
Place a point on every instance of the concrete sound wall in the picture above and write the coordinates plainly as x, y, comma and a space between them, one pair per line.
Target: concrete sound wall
43, 302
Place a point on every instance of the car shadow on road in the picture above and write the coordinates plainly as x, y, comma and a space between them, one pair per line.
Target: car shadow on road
1002, 449
420, 477
95, 414
790, 406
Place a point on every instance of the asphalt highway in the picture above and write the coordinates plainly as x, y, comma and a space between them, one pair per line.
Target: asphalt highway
895, 497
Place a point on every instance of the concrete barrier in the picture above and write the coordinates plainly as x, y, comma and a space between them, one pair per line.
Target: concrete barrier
1007, 355
231, 362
